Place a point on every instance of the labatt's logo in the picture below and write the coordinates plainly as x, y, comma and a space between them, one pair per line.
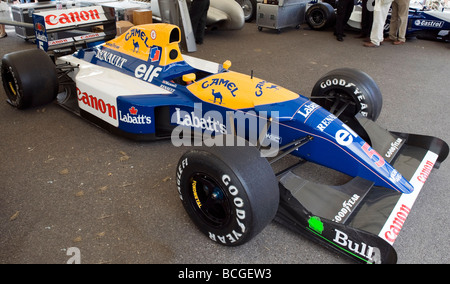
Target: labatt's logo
192, 120
133, 118
308, 109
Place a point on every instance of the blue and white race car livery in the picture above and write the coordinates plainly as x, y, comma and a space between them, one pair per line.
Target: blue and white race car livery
423, 22
139, 85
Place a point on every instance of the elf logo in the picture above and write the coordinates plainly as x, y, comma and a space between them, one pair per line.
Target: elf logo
147, 73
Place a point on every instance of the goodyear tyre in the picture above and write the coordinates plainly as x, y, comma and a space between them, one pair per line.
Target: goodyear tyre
320, 16
29, 78
346, 92
230, 193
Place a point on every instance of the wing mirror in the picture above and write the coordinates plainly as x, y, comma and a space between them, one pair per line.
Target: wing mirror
189, 78
226, 65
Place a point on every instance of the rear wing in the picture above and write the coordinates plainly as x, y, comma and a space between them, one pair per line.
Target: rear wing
76, 27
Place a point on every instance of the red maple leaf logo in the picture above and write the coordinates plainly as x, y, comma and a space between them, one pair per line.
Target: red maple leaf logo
133, 110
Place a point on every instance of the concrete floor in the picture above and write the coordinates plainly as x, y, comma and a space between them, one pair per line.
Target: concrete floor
66, 183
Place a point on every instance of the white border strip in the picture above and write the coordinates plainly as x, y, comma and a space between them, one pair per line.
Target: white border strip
398, 216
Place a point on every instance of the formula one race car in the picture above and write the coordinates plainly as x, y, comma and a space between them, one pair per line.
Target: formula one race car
423, 22
427, 23
139, 85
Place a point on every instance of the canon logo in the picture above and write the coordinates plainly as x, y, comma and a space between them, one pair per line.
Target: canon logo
97, 104
397, 224
72, 17
426, 170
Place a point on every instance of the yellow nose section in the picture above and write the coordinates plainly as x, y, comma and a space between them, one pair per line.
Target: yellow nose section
238, 91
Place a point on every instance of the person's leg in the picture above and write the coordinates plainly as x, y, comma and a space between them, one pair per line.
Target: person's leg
366, 20
377, 26
341, 15
393, 25
403, 11
198, 13
348, 11
383, 16
379, 18
202, 23
2, 31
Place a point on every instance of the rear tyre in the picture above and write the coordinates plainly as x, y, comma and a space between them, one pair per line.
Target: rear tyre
230, 193
29, 78
320, 16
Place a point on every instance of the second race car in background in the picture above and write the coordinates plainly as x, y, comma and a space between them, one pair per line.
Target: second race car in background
423, 22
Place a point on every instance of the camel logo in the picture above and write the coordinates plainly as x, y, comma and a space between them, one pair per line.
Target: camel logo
221, 82
136, 46
259, 88
135, 43
217, 96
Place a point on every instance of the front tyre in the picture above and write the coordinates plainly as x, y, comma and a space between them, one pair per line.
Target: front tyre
230, 193
346, 92
29, 78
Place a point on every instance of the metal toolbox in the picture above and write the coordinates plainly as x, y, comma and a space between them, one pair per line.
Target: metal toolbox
24, 13
288, 13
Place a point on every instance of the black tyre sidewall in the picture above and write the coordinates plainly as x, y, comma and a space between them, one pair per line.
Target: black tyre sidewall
33, 75
251, 192
328, 13
13, 85
355, 83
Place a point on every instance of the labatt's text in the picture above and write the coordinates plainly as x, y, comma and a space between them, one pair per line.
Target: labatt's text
192, 120
135, 119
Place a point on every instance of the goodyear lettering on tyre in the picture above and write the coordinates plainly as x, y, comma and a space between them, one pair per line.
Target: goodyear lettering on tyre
355, 91
182, 165
236, 233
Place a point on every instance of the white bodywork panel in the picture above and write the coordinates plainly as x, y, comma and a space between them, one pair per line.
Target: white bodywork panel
98, 88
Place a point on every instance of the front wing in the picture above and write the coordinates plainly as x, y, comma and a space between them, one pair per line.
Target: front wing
359, 219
